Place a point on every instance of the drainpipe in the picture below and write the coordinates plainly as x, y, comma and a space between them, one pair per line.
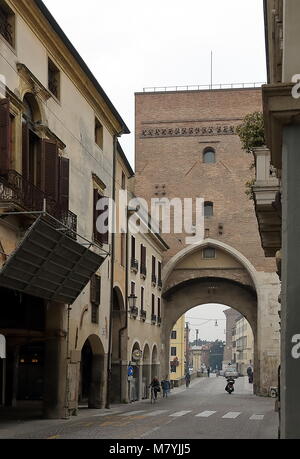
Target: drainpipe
109, 360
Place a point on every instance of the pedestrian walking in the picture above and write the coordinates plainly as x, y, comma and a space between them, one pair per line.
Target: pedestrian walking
208, 372
155, 386
250, 374
166, 387
187, 379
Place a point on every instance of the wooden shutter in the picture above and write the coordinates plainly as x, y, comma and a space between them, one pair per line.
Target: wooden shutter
25, 150
104, 236
50, 168
95, 215
96, 290
5, 133
64, 182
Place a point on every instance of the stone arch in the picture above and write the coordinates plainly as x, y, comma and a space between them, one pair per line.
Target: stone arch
31, 103
92, 373
119, 348
155, 365
135, 385
240, 287
146, 371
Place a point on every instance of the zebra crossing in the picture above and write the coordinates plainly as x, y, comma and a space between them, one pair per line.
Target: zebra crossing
178, 414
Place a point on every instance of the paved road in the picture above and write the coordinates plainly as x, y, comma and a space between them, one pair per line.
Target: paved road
204, 411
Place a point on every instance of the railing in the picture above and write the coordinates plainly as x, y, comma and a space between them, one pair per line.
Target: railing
203, 87
16, 189
153, 318
143, 270
143, 315
154, 279
134, 265
134, 311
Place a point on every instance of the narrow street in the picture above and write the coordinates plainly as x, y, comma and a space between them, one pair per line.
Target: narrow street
204, 411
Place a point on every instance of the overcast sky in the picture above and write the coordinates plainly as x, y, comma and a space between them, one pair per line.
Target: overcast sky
133, 44
204, 319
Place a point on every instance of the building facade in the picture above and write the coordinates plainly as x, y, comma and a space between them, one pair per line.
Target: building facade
242, 346
178, 351
231, 317
58, 136
281, 105
187, 147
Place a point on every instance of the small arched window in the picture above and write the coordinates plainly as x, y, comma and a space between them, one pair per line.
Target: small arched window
208, 209
209, 156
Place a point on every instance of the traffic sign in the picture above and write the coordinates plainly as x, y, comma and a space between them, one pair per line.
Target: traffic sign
130, 371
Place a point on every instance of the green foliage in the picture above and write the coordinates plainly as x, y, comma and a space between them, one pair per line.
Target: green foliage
251, 131
249, 189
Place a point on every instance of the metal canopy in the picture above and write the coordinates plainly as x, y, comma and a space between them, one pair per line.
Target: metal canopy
50, 265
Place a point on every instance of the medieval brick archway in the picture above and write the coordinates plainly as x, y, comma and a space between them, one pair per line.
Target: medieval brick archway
228, 278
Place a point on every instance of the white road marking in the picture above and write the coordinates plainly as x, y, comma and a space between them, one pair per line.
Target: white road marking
179, 413
132, 413
257, 417
156, 413
231, 415
205, 414
111, 413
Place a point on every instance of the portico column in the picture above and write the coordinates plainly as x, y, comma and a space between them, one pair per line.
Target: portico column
55, 376
290, 317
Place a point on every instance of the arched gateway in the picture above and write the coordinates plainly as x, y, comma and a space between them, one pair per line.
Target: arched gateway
228, 278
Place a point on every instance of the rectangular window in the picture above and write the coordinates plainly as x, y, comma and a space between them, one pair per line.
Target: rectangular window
142, 298
98, 133
173, 351
158, 308
159, 272
53, 79
95, 314
143, 260
95, 297
132, 288
173, 369
174, 334
101, 232
7, 23
153, 305
209, 253
133, 247
123, 184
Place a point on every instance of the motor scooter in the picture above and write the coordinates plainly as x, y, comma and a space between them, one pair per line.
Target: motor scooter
230, 385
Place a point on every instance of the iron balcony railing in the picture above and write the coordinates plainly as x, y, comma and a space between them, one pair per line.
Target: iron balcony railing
134, 265
153, 318
203, 87
14, 188
143, 315
143, 270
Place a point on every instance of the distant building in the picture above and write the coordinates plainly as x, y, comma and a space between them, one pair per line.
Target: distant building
231, 316
177, 350
242, 346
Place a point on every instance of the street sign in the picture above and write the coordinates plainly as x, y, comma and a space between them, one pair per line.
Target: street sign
130, 371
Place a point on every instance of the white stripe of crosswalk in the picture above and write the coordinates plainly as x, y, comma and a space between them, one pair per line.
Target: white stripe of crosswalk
132, 413
180, 413
257, 417
205, 414
156, 413
231, 415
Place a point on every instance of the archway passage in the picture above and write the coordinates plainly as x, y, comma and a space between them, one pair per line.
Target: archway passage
221, 275
92, 371
146, 372
134, 386
119, 349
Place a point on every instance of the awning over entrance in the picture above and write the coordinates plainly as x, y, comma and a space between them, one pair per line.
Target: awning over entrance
50, 265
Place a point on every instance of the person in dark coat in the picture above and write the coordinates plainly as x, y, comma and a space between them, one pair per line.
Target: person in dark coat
250, 375
166, 386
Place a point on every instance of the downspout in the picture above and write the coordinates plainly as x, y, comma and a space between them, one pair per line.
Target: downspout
113, 236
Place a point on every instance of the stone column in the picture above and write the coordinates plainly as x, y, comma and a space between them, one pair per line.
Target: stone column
124, 382
290, 316
55, 373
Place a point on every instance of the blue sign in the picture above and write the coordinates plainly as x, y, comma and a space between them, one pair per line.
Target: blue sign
130, 371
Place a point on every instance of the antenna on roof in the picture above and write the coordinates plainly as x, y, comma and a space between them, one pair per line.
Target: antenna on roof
211, 70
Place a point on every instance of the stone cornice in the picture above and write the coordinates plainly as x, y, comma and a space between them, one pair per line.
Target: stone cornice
55, 47
280, 109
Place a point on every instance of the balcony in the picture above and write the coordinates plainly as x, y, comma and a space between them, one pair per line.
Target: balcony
22, 195
134, 265
143, 271
143, 315
154, 280
266, 190
153, 319
159, 321
134, 312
